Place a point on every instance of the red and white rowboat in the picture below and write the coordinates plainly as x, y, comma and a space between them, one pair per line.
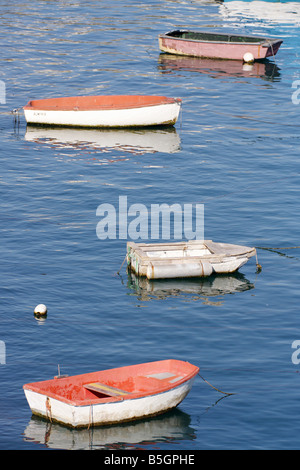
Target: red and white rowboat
114, 395
104, 111
217, 45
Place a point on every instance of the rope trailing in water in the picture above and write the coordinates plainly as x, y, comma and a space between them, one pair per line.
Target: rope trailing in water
48, 409
278, 248
181, 112
258, 266
224, 393
90, 416
271, 45
118, 272
16, 112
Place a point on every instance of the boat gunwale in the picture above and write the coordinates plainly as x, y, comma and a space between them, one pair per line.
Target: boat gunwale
261, 41
111, 400
141, 249
53, 104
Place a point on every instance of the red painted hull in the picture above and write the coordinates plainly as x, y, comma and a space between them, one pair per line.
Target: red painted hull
104, 111
134, 381
102, 102
112, 396
217, 46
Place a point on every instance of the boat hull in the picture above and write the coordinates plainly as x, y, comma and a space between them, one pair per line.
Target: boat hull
162, 112
218, 50
186, 259
112, 396
107, 413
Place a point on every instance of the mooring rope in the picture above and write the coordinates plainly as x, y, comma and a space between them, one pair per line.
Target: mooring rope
48, 409
90, 416
16, 113
181, 112
270, 43
258, 266
276, 248
224, 393
118, 272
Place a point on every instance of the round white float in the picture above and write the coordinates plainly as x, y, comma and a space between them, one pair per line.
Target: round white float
248, 58
40, 309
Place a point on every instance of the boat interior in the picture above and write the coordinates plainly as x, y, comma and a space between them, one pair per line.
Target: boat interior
113, 384
185, 250
214, 37
98, 102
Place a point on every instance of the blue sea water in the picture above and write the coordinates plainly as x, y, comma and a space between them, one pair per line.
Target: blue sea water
235, 149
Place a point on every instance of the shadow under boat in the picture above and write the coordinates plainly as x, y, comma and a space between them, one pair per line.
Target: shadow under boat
209, 289
265, 70
172, 426
136, 141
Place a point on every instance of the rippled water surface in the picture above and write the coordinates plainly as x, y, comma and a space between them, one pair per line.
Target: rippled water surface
235, 149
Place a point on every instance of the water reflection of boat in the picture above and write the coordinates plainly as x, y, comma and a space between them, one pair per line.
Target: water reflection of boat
169, 63
137, 141
212, 289
173, 426
262, 11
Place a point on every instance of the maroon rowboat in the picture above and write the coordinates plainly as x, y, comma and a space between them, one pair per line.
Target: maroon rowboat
218, 45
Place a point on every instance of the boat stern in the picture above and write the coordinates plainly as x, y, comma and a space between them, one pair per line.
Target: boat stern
273, 47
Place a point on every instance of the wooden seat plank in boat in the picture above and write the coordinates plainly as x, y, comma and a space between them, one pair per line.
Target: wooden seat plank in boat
105, 389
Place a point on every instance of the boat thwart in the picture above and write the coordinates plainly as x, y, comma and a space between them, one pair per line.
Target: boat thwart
217, 45
114, 395
186, 259
104, 111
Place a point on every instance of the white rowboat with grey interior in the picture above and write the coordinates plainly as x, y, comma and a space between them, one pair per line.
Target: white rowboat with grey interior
186, 259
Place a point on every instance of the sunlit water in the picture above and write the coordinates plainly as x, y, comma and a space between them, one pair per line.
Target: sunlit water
235, 149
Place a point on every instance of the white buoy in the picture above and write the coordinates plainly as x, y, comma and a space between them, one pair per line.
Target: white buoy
40, 309
248, 58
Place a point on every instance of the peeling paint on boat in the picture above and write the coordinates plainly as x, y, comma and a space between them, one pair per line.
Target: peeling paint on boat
217, 45
186, 259
148, 389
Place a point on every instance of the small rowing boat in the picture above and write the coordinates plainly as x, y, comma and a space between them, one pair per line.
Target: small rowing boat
104, 111
186, 259
218, 45
114, 395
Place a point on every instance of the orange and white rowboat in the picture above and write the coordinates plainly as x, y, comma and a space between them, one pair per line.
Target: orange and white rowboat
104, 111
114, 395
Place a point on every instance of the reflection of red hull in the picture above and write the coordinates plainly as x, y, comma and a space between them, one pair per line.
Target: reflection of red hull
217, 67
217, 46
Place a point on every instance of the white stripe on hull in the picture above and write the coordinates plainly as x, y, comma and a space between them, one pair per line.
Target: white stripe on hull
142, 116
